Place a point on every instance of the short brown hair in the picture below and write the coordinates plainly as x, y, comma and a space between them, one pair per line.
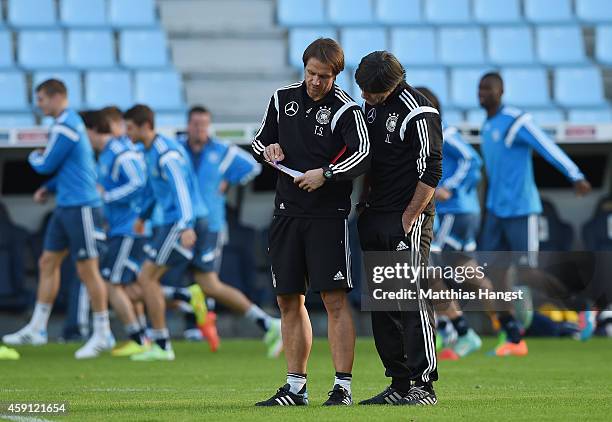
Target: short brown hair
112, 113
378, 72
196, 109
52, 87
328, 52
140, 114
96, 121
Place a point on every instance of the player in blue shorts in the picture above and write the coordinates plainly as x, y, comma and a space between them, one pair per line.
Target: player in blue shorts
76, 223
513, 203
121, 180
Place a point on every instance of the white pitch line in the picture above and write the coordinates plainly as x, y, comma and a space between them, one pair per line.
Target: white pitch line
23, 418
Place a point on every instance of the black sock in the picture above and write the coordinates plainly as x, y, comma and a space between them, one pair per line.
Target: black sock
511, 327
344, 376
460, 325
190, 320
182, 295
402, 385
161, 342
138, 337
442, 324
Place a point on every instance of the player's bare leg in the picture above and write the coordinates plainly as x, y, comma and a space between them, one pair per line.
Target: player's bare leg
297, 332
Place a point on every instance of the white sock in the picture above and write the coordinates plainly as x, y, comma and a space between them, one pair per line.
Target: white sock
101, 325
259, 317
142, 320
40, 316
344, 381
296, 382
168, 292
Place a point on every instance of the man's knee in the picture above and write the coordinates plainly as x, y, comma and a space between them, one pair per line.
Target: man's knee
335, 301
289, 303
49, 261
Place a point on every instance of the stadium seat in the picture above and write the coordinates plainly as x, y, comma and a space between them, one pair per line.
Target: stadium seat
548, 11
41, 49
14, 92
591, 115
526, 87
447, 11
358, 42
6, 49
476, 116
464, 86
72, 80
31, 13
103, 88
414, 46
433, 78
594, 11
16, 120
461, 46
578, 87
603, 46
547, 116
490, 12
452, 117
344, 80
159, 89
398, 12
143, 48
171, 120
550, 40
83, 56
132, 13
596, 232
554, 233
299, 38
301, 13
510, 45
350, 12
73, 14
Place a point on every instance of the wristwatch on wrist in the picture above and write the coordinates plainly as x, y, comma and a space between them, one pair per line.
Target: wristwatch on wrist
328, 174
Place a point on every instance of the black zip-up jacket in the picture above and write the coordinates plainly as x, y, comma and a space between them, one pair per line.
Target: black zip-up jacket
406, 136
330, 133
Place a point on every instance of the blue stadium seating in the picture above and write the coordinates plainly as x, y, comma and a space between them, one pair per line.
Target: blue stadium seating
447, 11
350, 12
490, 12
13, 88
596, 115
31, 13
159, 89
550, 40
578, 87
461, 46
103, 88
6, 49
132, 13
548, 11
594, 11
414, 46
603, 44
173, 120
464, 86
41, 49
547, 116
72, 80
510, 45
299, 38
16, 120
398, 12
526, 87
143, 48
77, 13
433, 78
476, 116
345, 80
358, 42
91, 48
452, 117
298, 12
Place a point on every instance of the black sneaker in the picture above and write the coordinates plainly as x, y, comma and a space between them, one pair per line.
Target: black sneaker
339, 396
421, 395
284, 397
389, 396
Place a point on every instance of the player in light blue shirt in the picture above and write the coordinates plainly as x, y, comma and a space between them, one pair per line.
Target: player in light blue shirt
76, 223
509, 137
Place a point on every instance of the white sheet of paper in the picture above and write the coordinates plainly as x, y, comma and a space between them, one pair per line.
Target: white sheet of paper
287, 170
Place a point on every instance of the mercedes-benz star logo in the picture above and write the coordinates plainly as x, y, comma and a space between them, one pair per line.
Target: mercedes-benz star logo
371, 115
291, 108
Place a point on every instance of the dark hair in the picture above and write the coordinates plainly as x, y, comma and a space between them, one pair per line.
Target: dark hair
112, 113
495, 76
428, 93
379, 71
328, 52
196, 109
96, 121
140, 114
52, 87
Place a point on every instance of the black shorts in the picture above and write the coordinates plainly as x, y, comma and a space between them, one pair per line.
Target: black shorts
309, 253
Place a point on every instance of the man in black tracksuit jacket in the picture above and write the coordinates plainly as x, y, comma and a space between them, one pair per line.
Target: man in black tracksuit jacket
313, 127
406, 148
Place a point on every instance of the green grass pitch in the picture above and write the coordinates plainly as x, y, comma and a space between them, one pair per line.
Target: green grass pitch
559, 380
